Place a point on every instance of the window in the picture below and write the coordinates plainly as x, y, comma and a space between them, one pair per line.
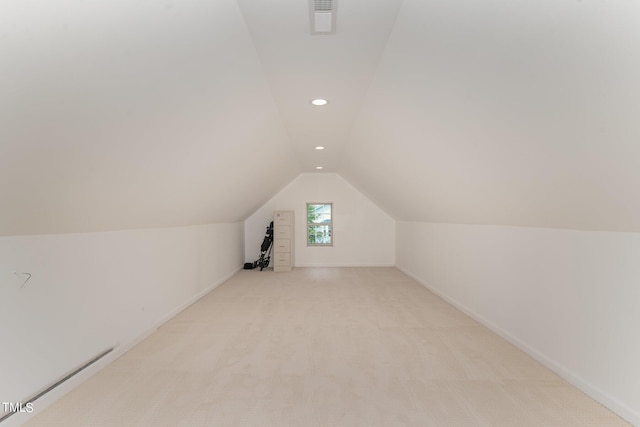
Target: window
319, 224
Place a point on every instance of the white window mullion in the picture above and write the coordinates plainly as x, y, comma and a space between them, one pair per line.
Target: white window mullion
320, 224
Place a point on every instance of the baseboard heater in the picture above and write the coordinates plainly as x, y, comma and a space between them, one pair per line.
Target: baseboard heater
61, 380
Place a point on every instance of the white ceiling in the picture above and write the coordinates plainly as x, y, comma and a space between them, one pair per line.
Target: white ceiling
506, 112
121, 114
126, 114
301, 67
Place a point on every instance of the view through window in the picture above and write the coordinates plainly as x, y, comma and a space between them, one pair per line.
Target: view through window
319, 224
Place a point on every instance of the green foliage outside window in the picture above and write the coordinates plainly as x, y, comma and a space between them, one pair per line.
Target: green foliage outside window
319, 224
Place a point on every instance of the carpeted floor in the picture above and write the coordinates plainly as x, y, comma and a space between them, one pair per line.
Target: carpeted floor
324, 347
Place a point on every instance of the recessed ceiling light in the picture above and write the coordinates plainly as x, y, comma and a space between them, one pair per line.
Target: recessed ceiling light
319, 167
319, 102
319, 147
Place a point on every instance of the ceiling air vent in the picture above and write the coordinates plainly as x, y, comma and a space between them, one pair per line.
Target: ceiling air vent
323, 16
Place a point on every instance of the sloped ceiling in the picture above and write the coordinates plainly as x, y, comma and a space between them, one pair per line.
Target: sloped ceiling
121, 114
301, 67
154, 113
506, 112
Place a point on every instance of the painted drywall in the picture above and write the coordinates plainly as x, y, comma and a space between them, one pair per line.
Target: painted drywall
300, 66
569, 298
120, 116
505, 113
92, 291
363, 234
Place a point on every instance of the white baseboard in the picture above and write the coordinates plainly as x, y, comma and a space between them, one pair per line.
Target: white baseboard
346, 265
191, 301
51, 397
586, 387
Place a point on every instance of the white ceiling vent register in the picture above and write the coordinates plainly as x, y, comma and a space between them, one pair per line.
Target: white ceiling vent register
323, 16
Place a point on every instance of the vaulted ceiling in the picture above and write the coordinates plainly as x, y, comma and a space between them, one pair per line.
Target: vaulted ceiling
121, 114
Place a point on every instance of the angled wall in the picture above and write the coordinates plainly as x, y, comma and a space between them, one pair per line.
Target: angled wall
517, 113
364, 235
120, 116
89, 292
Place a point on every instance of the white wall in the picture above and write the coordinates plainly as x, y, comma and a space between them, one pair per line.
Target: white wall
92, 291
569, 298
117, 108
363, 234
510, 113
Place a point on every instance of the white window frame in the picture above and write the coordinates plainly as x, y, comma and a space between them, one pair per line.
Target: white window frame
330, 224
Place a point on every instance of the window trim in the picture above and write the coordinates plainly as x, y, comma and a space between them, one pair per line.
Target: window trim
331, 224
